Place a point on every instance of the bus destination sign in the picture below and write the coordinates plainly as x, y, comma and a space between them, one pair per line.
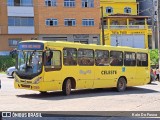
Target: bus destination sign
31, 46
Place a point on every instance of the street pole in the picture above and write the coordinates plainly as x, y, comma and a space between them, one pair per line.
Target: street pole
158, 18
102, 24
153, 26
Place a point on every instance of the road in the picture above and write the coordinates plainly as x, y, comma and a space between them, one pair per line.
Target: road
139, 98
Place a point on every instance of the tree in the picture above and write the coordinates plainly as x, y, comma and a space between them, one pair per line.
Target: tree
154, 57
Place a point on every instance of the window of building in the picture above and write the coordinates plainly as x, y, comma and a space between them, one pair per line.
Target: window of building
87, 22
51, 2
85, 57
142, 59
14, 42
20, 2
51, 22
88, 3
102, 58
70, 22
129, 59
116, 58
127, 10
69, 3
109, 10
20, 21
70, 56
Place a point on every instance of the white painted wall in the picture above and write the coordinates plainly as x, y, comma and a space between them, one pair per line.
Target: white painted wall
20, 11
135, 41
21, 30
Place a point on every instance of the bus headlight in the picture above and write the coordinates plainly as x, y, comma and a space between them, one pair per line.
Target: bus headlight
37, 80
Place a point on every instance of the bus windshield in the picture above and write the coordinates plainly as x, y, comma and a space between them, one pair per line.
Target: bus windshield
29, 63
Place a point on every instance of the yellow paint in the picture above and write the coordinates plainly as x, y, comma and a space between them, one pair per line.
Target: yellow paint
86, 76
118, 6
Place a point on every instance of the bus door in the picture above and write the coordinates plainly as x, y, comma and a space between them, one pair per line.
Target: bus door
129, 68
142, 72
103, 72
86, 68
52, 66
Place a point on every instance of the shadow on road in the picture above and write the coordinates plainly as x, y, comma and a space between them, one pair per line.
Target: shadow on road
86, 93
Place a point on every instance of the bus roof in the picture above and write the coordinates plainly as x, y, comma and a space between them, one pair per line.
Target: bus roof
89, 46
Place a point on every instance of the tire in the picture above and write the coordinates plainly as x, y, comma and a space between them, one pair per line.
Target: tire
121, 85
66, 88
12, 74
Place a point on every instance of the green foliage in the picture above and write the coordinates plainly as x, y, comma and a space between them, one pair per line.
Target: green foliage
6, 62
154, 57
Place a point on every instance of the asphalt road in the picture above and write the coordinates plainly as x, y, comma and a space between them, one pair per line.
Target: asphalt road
139, 98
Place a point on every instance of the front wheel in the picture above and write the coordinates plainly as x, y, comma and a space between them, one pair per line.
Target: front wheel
66, 89
121, 85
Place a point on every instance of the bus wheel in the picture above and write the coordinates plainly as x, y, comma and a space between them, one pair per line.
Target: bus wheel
121, 85
66, 89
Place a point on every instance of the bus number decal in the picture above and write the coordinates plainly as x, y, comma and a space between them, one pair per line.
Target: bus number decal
109, 72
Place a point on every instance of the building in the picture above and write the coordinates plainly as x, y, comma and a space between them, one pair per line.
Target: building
123, 26
65, 20
145, 8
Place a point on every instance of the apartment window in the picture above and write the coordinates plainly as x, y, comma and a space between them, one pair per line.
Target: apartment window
20, 21
109, 10
14, 42
51, 22
88, 3
127, 10
20, 2
51, 2
88, 22
69, 3
70, 22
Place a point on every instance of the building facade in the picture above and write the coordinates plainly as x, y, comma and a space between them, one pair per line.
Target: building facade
124, 27
64, 20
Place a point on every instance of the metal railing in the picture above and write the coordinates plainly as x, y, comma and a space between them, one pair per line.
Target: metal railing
127, 27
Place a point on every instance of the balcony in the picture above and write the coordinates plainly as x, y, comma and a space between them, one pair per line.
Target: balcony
127, 27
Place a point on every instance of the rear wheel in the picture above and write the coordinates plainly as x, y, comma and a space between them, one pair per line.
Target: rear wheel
66, 89
121, 85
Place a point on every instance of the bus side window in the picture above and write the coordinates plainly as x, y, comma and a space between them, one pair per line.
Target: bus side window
116, 58
101, 58
129, 59
142, 59
52, 60
85, 57
70, 56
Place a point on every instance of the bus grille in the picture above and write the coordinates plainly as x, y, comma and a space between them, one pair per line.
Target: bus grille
26, 86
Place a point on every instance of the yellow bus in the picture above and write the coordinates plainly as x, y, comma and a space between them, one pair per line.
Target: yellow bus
50, 66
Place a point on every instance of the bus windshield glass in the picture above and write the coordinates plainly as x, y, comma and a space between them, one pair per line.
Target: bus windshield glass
29, 62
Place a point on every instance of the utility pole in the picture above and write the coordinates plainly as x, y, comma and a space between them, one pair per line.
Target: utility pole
158, 18
152, 13
102, 24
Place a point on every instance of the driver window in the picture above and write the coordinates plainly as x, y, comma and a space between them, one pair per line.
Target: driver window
52, 60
